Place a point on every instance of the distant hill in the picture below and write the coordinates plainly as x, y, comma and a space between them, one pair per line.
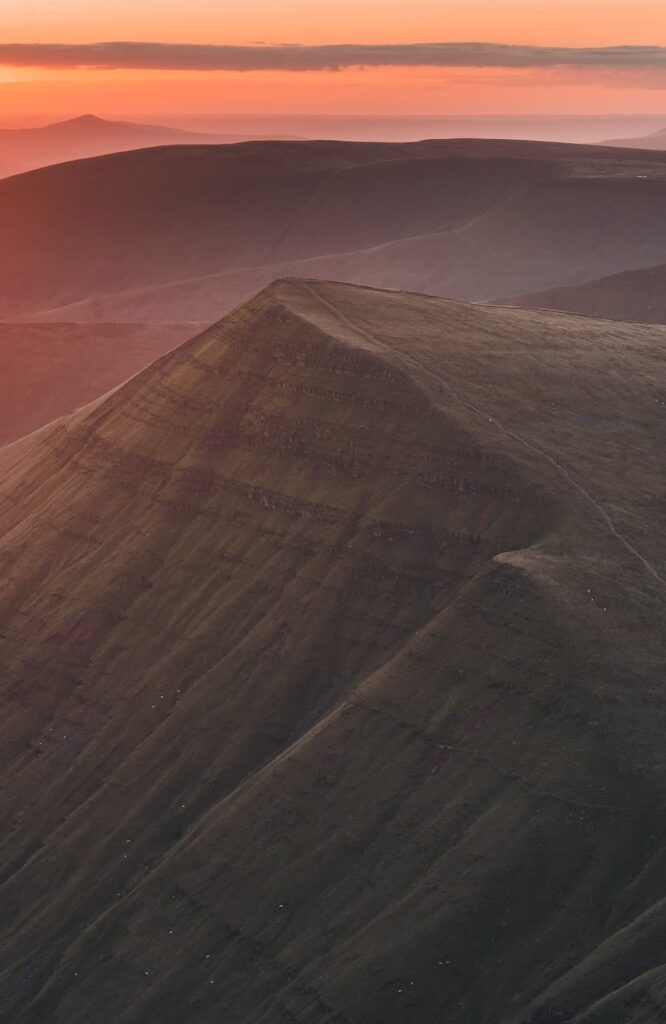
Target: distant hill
655, 140
24, 149
576, 128
636, 295
551, 231
332, 675
189, 232
47, 370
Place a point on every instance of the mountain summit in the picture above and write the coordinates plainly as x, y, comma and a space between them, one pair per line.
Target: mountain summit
322, 695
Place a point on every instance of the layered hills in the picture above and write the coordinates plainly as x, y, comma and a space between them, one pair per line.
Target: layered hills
654, 140
25, 149
186, 233
636, 295
332, 676
47, 370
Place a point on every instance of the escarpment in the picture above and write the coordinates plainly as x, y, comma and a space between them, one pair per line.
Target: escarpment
266, 489
318, 704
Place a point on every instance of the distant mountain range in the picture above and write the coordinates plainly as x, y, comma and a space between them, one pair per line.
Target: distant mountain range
655, 140
577, 128
24, 149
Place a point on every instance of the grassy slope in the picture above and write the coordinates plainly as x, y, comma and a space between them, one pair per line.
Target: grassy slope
77, 229
638, 296
330, 693
546, 232
431, 216
47, 370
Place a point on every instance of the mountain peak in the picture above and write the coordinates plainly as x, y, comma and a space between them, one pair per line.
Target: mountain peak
82, 120
330, 607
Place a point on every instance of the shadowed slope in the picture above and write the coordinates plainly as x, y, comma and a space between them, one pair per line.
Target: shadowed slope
547, 231
432, 216
47, 370
636, 295
321, 697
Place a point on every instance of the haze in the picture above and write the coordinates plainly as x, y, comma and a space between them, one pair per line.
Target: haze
34, 92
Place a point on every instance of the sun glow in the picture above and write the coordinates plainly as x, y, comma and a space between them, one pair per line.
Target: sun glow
11, 75
570, 23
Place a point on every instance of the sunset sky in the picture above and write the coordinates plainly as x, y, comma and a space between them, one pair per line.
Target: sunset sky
44, 81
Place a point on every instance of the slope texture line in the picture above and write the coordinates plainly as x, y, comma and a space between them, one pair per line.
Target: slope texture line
408, 359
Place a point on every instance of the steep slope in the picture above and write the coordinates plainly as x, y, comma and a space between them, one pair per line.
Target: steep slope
638, 296
47, 370
332, 675
25, 149
431, 216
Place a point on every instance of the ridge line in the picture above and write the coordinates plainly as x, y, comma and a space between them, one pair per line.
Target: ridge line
480, 412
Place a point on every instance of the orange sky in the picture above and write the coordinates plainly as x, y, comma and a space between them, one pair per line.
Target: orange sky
25, 91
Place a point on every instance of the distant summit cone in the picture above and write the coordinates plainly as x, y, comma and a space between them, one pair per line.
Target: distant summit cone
85, 119
82, 137
83, 122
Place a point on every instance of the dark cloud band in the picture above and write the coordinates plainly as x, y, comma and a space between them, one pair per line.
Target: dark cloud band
186, 57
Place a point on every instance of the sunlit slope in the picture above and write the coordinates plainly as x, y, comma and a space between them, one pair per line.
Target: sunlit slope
332, 670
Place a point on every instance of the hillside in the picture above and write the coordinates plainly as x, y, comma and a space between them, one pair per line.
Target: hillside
637, 295
655, 140
553, 231
461, 219
25, 149
332, 676
145, 217
47, 370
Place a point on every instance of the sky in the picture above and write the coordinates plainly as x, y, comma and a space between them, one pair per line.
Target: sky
268, 56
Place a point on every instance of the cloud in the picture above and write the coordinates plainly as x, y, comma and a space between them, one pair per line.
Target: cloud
186, 57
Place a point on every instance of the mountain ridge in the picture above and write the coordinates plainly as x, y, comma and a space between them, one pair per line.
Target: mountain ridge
259, 211
387, 753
